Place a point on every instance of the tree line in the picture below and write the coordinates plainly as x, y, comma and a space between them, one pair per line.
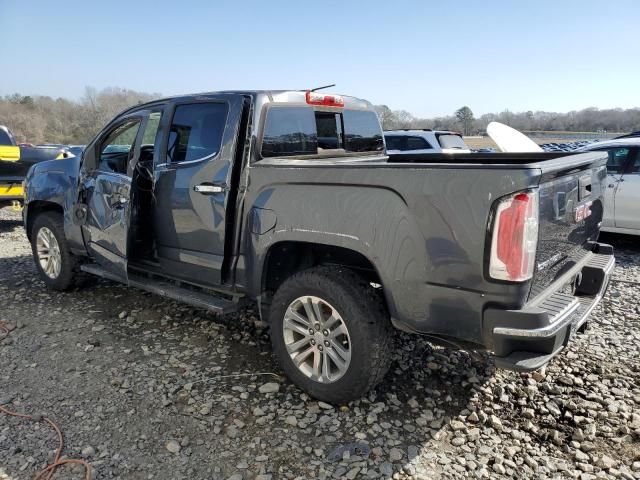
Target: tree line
40, 119
586, 120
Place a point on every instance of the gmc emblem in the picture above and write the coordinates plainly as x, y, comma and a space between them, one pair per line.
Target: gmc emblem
583, 211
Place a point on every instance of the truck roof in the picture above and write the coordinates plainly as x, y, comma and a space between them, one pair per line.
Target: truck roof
279, 96
413, 131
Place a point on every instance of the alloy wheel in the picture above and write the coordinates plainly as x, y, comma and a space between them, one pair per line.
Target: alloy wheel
317, 339
49, 255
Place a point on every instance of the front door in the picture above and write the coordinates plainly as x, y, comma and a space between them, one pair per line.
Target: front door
106, 191
191, 190
627, 201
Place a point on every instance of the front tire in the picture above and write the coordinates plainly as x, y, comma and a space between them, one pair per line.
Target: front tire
331, 333
55, 263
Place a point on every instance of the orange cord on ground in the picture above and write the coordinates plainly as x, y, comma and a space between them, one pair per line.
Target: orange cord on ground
48, 472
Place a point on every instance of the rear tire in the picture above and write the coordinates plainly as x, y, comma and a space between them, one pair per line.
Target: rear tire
351, 355
56, 265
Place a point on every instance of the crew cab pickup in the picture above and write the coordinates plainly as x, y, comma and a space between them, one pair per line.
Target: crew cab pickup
288, 199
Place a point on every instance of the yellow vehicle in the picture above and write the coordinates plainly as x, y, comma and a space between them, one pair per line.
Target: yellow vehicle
15, 162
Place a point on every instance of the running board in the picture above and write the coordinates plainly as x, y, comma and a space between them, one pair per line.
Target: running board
196, 297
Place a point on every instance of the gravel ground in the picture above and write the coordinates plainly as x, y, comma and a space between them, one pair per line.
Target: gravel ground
148, 388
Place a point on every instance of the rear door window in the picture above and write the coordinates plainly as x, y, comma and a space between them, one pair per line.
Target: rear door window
301, 130
196, 131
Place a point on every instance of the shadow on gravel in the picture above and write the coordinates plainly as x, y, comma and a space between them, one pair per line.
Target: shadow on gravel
630, 244
196, 370
7, 226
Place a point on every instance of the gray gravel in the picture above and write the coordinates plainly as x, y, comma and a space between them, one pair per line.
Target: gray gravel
147, 388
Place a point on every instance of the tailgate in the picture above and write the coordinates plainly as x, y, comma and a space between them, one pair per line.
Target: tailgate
571, 194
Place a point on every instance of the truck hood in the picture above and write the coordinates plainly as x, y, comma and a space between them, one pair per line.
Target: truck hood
69, 166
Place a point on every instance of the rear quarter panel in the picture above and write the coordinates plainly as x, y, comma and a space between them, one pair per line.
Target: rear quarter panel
422, 227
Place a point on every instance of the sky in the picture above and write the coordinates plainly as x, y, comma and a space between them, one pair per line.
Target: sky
426, 57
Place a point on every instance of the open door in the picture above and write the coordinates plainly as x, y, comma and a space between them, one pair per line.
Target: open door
106, 192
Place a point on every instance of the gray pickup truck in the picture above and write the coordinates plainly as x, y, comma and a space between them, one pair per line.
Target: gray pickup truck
288, 199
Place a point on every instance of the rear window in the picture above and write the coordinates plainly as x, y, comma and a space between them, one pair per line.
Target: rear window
300, 130
362, 131
452, 141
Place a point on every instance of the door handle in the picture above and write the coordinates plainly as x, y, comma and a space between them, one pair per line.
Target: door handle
208, 189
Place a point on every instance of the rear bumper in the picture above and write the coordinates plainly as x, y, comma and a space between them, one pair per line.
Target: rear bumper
527, 339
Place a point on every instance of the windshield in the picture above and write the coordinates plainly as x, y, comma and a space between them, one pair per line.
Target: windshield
450, 140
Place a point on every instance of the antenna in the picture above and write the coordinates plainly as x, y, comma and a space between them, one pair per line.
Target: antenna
322, 88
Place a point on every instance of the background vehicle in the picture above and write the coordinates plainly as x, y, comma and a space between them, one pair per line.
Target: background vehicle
10, 184
59, 146
622, 195
424, 141
75, 149
287, 198
15, 161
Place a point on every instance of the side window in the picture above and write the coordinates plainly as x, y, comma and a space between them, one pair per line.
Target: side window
394, 142
196, 131
149, 137
116, 148
417, 143
617, 159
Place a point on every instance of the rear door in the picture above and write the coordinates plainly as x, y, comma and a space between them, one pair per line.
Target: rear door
106, 190
192, 187
627, 194
616, 164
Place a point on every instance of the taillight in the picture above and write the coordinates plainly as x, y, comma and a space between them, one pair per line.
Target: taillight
515, 238
314, 98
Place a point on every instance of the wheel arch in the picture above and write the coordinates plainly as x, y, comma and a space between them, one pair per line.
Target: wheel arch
288, 257
38, 207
